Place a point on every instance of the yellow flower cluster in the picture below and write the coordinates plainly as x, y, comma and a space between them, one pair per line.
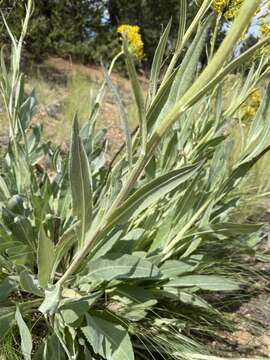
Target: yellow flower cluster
251, 105
132, 32
265, 29
228, 8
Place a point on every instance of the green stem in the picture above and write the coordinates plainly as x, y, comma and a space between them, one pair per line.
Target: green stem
225, 50
205, 6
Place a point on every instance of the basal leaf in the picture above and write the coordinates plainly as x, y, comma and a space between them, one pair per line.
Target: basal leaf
53, 349
29, 283
73, 309
45, 258
51, 301
173, 268
26, 338
109, 340
204, 282
7, 320
121, 267
7, 286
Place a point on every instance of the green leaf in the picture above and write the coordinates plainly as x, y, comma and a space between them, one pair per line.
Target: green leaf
204, 282
259, 133
159, 101
106, 245
182, 24
152, 192
109, 340
193, 246
53, 349
45, 258
129, 242
186, 72
29, 283
7, 286
7, 320
137, 93
26, 338
5, 264
135, 293
186, 298
73, 309
80, 182
120, 267
157, 61
51, 300
231, 229
123, 115
65, 243
4, 191
172, 268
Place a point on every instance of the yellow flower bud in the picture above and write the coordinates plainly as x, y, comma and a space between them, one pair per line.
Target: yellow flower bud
132, 32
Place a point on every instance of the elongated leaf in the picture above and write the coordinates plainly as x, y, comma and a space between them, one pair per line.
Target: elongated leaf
205, 282
154, 191
259, 133
137, 93
51, 300
186, 298
80, 182
193, 246
120, 267
123, 115
45, 258
109, 340
159, 101
137, 294
73, 309
5, 264
53, 349
7, 320
65, 243
186, 72
182, 24
157, 61
4, 192
7, 286
26, 338
29, 283
231, 229
173, 268
106, 245
239, 173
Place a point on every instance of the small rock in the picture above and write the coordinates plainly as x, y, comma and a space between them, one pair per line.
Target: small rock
266, 343
53, 110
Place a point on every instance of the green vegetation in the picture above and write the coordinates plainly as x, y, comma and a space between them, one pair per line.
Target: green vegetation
124, 260
86, 30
